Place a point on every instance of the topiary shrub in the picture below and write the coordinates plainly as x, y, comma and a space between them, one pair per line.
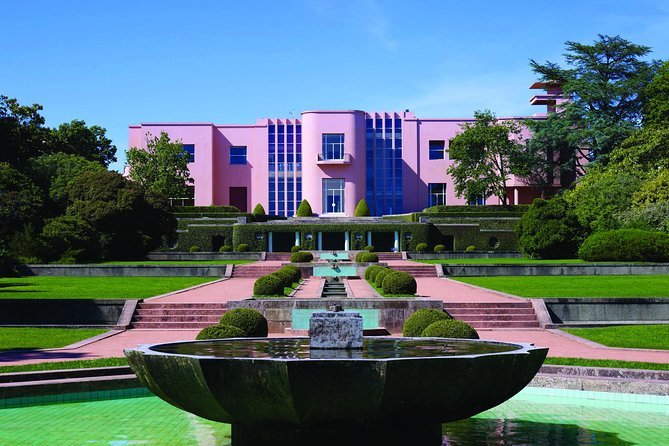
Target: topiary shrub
439, 248
286, 278
626, 245
450, 328
421, 247
194, 248
304, 210
251, 321
301, 257
258, 211
268, 286
470, 248
378, 280
225, 248
220, 332
362, 210
358, 256
369, 248
399, 282
549, 230
420, 320
370, 273
296, 248
293, 271
368, 257
243, 247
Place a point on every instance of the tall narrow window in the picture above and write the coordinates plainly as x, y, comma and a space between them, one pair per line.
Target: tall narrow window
437, 150
333, 146
238, 155
333, 195
190, 150
437, 194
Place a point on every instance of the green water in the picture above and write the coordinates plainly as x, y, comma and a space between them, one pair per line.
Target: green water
546, 417
298, 348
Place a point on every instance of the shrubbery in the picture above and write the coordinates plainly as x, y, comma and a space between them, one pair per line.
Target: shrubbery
626, 245
367, 257
378, 280
250, 321
268, 286
399, 282
243, 247
301, 257
362, 209
220, 332
295, 248
421, 247
285, 277
194, 248
304, 210
450, 328
372, 271
294, 272
470, 248
439, 248
225, 248
420, 320
369, 248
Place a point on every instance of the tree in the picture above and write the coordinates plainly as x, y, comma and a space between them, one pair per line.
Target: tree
22, 134
604, 83
69, 238
656, 105
76, 138
162, 167
304, 210
362, 210
20, 200
482, 156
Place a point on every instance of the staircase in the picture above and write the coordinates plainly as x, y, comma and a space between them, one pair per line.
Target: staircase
253, 270
334, 290
417, 270
494, 315
177, 315
383, 256
278, 256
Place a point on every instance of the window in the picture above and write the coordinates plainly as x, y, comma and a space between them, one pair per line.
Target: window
437, 150
437, 194
238, 155
477, 200
190, 149
333, 195
333, 146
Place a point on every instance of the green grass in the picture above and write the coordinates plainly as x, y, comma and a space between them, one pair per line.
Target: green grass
174, 262
576, 286
65, 365
501, 261
627, 336
46, 287
612, 363
29, 338
380, 291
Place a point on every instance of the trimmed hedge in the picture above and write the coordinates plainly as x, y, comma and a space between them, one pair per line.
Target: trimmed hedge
439, 248
420, 320
362, 209
293, 271
399, 282
243, 247
473, 235
470, 248
368, 257
464, 209
194, 248
378, 280
250, 321
369, 248
268, 286
295, 248
372, 271
285, 277
220, 332
225, 248
304, 209
301, 257
450, 328
626, 245
207, 209
421, 247
209, 237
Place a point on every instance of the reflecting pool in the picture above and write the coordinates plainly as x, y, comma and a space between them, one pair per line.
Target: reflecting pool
533, 417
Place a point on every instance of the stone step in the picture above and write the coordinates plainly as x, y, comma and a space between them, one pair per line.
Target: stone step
503, 324
474, 311
519, 304
496, 317
167, 318
171, 325
182, 306
179, 312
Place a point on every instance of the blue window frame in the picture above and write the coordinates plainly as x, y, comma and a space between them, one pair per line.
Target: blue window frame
437, 150
190, 149
333, 146
238, 155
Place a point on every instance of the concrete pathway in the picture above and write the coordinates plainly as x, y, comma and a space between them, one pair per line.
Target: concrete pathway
310, 289
217, 292
448, 290
361, 289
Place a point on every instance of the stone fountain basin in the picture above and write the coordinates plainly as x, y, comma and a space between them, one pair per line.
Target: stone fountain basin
334, 387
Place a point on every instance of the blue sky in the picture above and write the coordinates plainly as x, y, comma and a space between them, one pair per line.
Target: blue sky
119, 63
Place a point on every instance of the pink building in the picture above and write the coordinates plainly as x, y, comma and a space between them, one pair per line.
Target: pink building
332, 158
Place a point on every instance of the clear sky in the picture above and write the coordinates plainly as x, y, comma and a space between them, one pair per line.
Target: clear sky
119, 63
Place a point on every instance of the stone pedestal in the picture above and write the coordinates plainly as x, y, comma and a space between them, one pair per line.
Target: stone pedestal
335, 329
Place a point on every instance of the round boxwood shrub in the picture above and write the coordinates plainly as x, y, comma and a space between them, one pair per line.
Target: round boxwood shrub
378, 280
421, 247
220, 332
450, 328
304, 209
250, 321
243, 247
286, 278
439, 248
293, 271
362, 209
369, 248
358, 256
225, 248
295, 248
370, 273
369, 257
470, 248
420, 320
626, 245
268, 286
399, 282
301, 257
194, 248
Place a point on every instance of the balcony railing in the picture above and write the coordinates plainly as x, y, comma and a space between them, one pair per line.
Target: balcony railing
345, 159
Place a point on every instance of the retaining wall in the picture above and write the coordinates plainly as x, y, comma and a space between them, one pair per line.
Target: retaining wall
178, 256
555, 270
123, 271
607, 311
105, 312
463, 255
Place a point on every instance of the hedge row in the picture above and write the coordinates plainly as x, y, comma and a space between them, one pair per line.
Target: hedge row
476, 209
240, 322
483, 240
391, 281
208, 209
182, 223
231, 215
273, 284
626, 245
209, 238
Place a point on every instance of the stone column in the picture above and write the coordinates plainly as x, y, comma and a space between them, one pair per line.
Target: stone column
347, 240
270, 247
297, 238
396, 244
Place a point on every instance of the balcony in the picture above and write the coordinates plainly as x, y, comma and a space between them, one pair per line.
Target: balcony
545, 99
344, 160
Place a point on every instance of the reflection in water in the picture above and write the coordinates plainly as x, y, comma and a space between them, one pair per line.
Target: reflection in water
298, 348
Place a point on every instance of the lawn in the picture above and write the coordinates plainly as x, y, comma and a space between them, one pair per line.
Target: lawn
174, 262
576, 286
32, 338
627, 336
47, 287
502, 261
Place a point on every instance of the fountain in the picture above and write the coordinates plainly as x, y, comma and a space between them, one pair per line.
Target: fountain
336, 387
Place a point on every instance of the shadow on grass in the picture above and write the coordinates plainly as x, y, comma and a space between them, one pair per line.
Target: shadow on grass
34, 353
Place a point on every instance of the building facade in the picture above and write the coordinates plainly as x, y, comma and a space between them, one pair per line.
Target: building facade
332, 158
